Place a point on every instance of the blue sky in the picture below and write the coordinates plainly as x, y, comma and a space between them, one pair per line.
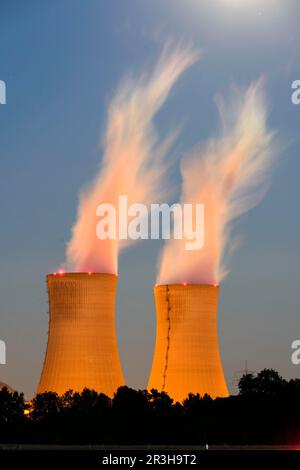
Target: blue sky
61, 61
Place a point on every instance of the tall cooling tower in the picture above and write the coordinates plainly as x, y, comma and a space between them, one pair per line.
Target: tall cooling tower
82, 348
186, 357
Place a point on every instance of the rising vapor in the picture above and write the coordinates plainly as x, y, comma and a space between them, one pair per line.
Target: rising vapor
133, 161
228, 176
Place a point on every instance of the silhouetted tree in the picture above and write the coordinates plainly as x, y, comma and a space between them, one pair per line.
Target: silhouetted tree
265, 411
267, 382
12, 406
131, 411
46, 406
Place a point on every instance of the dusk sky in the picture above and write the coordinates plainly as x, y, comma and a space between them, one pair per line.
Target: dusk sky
62, 62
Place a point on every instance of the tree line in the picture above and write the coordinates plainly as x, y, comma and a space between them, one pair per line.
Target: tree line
265, 411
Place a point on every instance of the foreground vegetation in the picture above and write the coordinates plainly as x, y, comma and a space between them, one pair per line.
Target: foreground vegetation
266, 411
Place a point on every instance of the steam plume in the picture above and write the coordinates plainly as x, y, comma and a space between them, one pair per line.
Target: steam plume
228, 176
133, 161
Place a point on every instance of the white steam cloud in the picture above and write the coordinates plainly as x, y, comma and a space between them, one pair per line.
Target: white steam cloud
133, 161
229, 177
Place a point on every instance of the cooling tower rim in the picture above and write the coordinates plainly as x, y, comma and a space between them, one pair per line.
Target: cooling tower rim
186, 285
80, 275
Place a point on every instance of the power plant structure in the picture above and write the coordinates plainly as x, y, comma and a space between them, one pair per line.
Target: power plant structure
186, 358
82, 347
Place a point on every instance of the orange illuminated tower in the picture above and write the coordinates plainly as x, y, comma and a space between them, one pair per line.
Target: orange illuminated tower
82, 348
186, 357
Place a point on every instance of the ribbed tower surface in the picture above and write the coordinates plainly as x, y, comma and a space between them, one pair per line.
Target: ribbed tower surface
186, 358
82, 348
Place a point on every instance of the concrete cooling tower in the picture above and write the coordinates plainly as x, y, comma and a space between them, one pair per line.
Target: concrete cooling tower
186, 357
82, 347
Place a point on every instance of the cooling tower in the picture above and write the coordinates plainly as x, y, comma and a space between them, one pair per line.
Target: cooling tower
186, 357
82, 348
